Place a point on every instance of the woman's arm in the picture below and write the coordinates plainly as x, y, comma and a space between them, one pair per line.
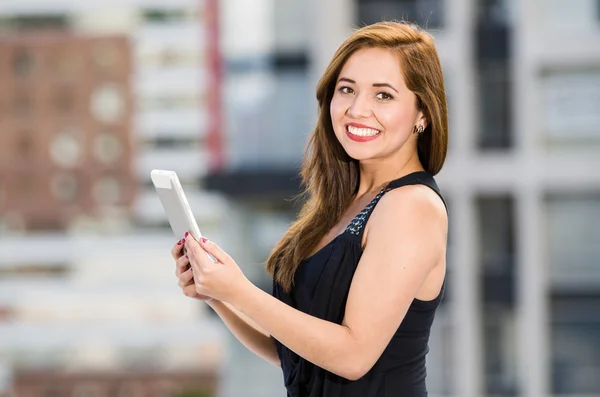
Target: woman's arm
259, 343
243, 328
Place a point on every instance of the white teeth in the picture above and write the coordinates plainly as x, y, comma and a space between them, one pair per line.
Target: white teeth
362, 131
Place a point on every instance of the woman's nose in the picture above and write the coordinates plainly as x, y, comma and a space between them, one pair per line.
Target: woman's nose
359, 108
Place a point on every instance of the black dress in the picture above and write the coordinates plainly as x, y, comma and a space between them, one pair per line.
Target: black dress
321, 287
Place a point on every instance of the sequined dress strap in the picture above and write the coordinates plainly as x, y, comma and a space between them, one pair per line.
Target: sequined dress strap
357, 224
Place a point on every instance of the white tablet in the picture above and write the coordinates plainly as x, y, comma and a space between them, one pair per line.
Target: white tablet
175, 204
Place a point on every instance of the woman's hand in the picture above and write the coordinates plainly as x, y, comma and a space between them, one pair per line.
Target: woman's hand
184, 273
221, 280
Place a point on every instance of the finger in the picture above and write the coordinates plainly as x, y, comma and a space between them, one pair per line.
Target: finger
197, 255
176, 250
214, 250
181, 265
190, 291
186, 278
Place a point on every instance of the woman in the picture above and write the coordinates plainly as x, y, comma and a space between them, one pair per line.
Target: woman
359, 275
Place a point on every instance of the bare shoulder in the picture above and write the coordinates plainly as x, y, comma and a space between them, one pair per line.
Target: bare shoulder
411, 205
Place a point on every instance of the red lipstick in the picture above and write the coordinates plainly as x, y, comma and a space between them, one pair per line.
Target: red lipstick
358, 138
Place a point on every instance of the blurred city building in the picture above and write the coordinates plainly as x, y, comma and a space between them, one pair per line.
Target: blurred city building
520, 317
59, 158
130, 384
95, 96
102, 309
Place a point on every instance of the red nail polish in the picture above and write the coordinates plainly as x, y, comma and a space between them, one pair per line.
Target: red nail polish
186, 234
204, 239
180, 242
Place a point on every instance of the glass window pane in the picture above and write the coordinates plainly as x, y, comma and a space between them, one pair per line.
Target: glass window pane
496, 232
494, 106
23, 64
572, 243
493, 62
561, 16
39, 21
570, 100
426, 13
575, 338
270, 118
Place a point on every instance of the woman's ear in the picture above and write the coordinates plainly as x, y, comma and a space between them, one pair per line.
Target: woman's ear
422, 120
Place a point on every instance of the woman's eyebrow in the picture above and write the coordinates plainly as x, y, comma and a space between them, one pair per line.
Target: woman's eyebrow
385, 85
374, 85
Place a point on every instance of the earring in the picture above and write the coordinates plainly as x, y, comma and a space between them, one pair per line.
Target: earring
419, 130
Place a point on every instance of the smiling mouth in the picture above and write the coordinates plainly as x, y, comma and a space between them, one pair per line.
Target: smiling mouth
362, 132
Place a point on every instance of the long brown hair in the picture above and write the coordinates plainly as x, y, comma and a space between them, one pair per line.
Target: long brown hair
330, 177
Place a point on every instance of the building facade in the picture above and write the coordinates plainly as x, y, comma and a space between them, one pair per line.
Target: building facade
96, 95
520, 317
65, 147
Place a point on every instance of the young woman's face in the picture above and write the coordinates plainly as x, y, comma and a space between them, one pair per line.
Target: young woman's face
372, 111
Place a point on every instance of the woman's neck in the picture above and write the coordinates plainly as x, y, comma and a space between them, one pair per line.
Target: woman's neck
374, 176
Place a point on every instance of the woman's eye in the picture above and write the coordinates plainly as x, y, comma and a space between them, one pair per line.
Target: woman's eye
346, 90
384, 96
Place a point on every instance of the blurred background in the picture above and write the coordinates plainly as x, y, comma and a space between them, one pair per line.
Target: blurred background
93, 95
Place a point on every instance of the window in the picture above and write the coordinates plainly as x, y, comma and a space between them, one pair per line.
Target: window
164, 15
107, 148
560, 16
108, 103
494, 90
493, 54
290, 61
497, 255
570, 99
426, 13
169, 101
291, 19
66, 149
265, 97
497, 12
495, 216
171, 142
260, 115
572, 243
64, 187
42, 21
575, 341
23, 63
